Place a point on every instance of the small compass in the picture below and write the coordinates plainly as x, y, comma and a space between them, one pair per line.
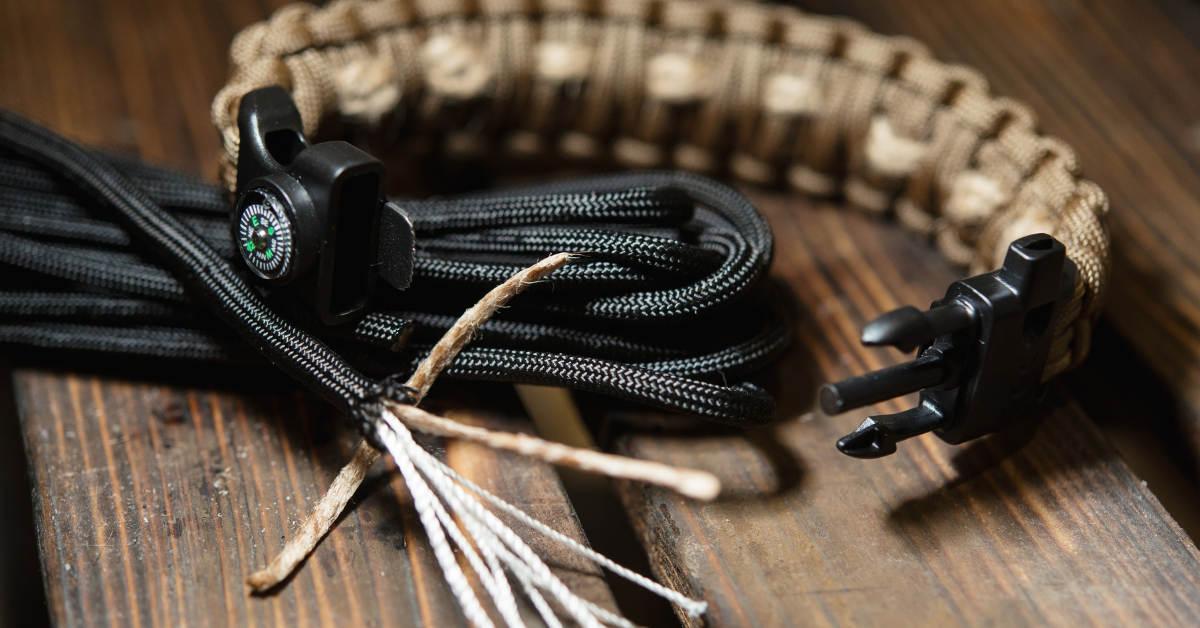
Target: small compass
264, 234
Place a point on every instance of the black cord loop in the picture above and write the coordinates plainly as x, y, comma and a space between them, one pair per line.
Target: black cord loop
669, 301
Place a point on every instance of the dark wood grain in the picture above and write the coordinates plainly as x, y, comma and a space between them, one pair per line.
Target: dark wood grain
1041, 525
1044, 527
132, 75
155, 503
1117, 81
1035, 527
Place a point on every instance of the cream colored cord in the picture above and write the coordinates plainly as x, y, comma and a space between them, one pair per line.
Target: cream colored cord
444, 500
767, 93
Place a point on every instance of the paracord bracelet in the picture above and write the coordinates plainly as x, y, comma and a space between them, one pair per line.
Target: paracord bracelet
764, 92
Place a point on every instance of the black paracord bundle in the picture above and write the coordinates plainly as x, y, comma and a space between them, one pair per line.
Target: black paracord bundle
670, 304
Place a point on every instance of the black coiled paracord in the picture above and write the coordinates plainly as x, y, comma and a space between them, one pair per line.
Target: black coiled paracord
103, 253
206, 276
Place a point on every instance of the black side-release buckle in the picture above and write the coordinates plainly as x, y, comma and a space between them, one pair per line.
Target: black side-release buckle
316, 215
983, 349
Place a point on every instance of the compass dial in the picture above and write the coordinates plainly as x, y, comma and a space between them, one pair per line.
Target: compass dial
264, 234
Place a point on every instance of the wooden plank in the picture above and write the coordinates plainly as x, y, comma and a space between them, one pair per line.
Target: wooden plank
155, 502
971, 536
1034, 527
131, 75
22, 601
1037, 526
1117, 81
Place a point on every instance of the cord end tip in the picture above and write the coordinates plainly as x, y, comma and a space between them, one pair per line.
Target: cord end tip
700, 485
261, 580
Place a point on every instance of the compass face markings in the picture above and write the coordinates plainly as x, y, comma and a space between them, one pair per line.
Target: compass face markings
265, 235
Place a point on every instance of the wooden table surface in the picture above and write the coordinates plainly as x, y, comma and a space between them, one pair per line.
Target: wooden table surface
154, 498
156, 502
1118, 81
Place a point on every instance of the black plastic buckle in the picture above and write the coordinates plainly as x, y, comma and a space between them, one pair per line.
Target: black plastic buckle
983, 349
314, 214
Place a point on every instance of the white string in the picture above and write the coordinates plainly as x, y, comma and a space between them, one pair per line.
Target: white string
424, 503
604, 614
508, 604
465, 506
539, 602
556, 587
529, 563
526, 558
575, 605
442, 500
490, 575
694, 608
487, 544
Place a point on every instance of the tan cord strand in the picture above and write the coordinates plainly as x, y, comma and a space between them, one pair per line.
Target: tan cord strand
351, 476
318, 521
689, 482
460, 334
767, 93
696, 484
785, 95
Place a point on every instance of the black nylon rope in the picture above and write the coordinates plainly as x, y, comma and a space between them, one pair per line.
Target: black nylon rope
166, 187
598, 275
209, 278
86, 307
742, 405
86, 266
159, 342
58, 215
633, 206
652, 254
647, 310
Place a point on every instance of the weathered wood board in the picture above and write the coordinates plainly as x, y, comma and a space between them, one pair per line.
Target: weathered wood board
1118, 81
1006, 532
155, 502
1042, 525
1054, 531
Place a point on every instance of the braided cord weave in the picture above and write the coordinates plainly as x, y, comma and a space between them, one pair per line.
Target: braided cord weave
767, 93
665, 298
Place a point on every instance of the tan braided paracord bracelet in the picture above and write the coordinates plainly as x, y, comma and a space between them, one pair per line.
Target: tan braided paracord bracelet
767, 93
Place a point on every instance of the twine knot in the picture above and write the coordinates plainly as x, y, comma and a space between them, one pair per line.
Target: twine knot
454, 67
890, 154
366, 90
559, 61
675, 78
369, 408
974, 197
790, 94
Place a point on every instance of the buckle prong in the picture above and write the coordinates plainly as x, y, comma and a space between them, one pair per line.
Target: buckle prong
982, 350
